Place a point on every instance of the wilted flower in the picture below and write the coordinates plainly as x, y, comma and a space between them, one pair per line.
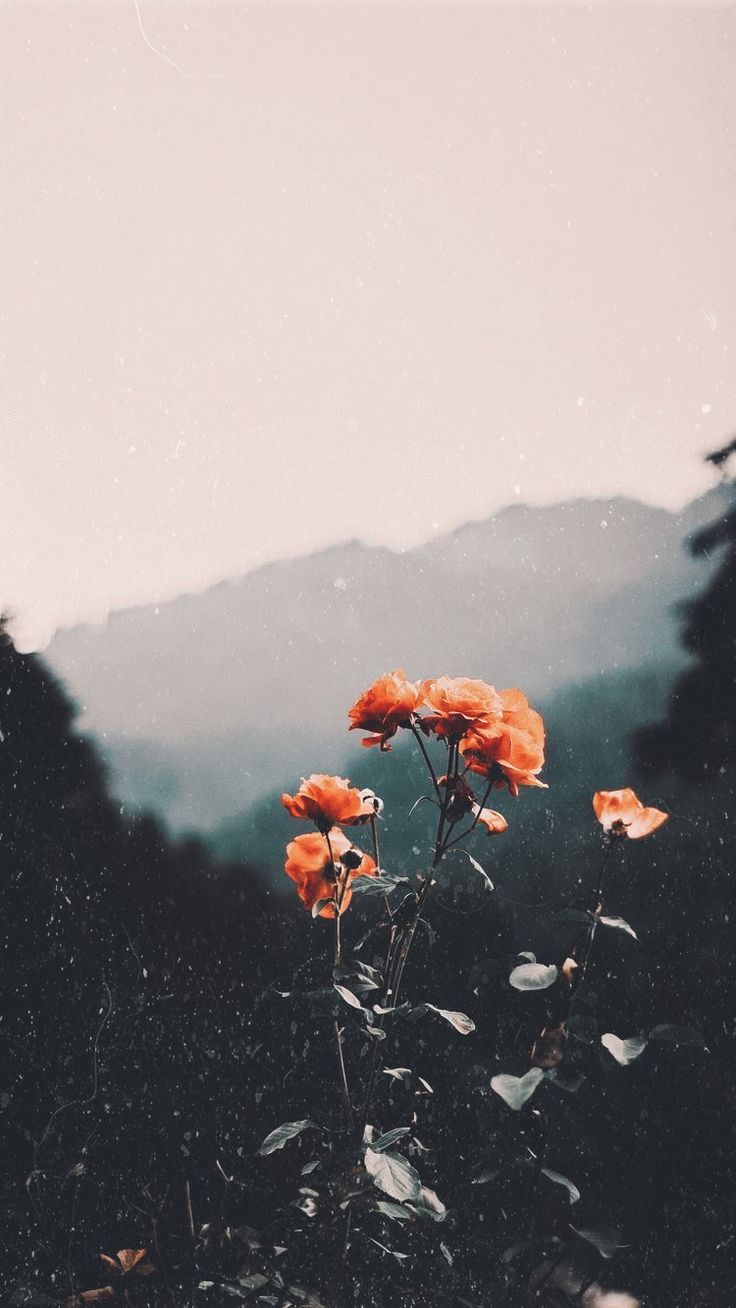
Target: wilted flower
127, 1261
384, 707
328, 800
494, 823
510, 749
457, 704
596, 1297
568, 970
549, 1048
309, 865
621, 813
462, 801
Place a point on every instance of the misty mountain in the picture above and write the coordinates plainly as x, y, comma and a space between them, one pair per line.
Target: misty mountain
205, 703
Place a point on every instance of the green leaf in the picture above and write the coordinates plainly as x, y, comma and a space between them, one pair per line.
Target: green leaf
320, 904
378, 887
399, 1074
487, 1174
583, 1027
460, 1021
573, 917
533, 976
624, 1051
392, 1174
619, 924
400, 1257
516, 1090
606, 1241
348, 996
394, 1211
475, 865
559, 1179
678, 1035
390, 1138
429, 1205
278, 1138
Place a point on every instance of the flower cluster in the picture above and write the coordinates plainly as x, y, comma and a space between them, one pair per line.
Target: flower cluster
324, 868
498, 733
324, 864
493, 734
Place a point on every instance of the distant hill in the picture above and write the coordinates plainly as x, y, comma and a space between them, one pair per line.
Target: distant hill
204, 704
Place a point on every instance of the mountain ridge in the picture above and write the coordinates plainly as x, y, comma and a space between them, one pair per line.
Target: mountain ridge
230, 690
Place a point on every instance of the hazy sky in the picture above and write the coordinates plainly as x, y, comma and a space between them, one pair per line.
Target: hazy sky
275, 276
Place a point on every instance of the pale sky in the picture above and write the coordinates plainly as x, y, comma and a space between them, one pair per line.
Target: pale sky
274, 276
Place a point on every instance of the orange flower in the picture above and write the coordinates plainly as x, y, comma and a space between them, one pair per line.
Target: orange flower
509, 750
328, 800
456, 704
308, 864
384, 707
129, 1260
621, 813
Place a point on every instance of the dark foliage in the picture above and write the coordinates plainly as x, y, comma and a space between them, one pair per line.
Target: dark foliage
163, 1012
697, 740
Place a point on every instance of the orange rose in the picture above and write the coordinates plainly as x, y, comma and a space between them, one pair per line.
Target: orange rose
384, 707
328, 800
308, 864
510, 749
456, 704
621, 813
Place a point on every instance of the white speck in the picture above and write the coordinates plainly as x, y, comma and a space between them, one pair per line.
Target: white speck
604, 524
340, 583
705, 408
581, 401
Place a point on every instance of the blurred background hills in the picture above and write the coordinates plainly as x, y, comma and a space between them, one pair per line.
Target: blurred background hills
192, 702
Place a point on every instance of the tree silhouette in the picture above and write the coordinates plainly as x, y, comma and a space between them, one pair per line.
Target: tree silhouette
697, 740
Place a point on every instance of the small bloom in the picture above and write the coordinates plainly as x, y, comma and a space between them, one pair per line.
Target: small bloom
494, 823
308, 864
328, 800
456, 704
384, 707
510, 749
129, 1260
621, 813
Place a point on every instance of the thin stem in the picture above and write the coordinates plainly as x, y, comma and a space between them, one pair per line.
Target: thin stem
344, 1088
190, 1214
590, 935
342, 1074
475, 821
418, 737
400, 944
338, 947
376, 846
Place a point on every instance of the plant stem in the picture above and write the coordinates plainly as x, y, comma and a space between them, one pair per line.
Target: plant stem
376, 847
344, 1088
475, 821
590, 935
418, 737
342, 1074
